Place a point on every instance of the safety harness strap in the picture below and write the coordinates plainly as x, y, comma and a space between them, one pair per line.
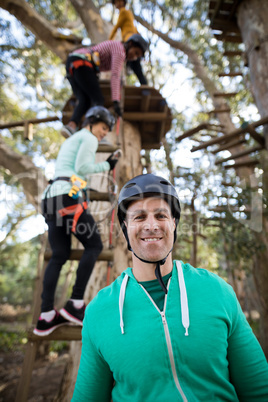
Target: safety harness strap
76, 209
64, 178
79, 63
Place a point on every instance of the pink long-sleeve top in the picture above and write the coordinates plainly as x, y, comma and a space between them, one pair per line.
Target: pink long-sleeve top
112, 56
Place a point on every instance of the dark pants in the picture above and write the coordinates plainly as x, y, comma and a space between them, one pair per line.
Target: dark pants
135, 66
59, 235
85, 86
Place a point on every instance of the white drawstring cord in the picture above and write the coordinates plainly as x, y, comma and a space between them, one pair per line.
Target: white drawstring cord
184, 300
121, 301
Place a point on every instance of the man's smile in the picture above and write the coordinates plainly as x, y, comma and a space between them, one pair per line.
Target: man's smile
151, 239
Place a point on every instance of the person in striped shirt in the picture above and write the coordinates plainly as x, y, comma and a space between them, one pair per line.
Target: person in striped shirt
83, 66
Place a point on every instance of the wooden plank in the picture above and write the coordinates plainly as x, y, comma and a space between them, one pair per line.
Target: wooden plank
201, 126
232, 53
228, 38
68, 332
224, 94
149, 116
76, 254
225, 25
231, 74
239, 154
192, 131
215, 111
233, 134
226, 184
257, 137
213, 141
237, 165
106, 148
229, 145
98, 195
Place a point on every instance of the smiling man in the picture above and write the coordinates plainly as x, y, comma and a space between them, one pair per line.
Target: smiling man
164, 330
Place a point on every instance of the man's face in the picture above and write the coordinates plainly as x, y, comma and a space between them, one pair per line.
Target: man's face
150, 228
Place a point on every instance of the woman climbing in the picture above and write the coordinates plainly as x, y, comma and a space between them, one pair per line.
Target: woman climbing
66, 213
83, 66
126, 24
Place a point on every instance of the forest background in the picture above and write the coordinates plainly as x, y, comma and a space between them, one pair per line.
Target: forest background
224, 213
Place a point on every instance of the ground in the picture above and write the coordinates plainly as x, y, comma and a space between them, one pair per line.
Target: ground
48, 368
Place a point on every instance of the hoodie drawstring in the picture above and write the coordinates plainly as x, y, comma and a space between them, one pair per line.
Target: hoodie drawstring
183, 296
184, 300
121, 301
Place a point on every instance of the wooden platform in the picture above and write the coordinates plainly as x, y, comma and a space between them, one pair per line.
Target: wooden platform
143, 106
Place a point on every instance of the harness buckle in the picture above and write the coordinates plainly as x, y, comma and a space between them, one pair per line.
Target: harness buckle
77, 184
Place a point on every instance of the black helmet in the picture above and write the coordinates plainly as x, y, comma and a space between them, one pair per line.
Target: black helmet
147, 185
139, 41
100, 113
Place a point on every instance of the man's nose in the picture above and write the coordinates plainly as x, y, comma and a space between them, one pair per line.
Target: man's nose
151, 223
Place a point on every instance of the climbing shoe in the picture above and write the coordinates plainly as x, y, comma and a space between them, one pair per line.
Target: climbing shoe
44, 327
73, 314
67, 131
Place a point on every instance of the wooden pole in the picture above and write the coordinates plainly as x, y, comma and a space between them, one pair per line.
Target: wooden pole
26, 375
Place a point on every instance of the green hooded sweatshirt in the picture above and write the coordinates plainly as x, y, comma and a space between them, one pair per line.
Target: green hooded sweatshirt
199, 348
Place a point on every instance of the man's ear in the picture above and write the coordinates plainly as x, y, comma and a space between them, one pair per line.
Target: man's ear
125, 222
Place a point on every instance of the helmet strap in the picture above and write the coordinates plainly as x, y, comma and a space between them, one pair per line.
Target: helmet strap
159, 277
157, 269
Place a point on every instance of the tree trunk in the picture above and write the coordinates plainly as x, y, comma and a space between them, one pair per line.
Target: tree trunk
252, 20
128, 166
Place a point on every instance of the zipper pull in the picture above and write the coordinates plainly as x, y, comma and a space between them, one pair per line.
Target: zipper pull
163, 318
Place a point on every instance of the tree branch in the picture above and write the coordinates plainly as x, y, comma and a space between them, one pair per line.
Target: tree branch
39, 26
25, 172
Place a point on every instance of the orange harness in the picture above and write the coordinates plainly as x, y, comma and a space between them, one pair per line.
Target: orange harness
76, 209
79, 63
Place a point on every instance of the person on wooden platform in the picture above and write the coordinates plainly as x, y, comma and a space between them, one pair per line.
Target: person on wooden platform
83, 66
126, 24
66, 213
164, 330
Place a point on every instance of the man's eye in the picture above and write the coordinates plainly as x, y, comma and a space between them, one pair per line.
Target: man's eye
139, 217
161, 216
